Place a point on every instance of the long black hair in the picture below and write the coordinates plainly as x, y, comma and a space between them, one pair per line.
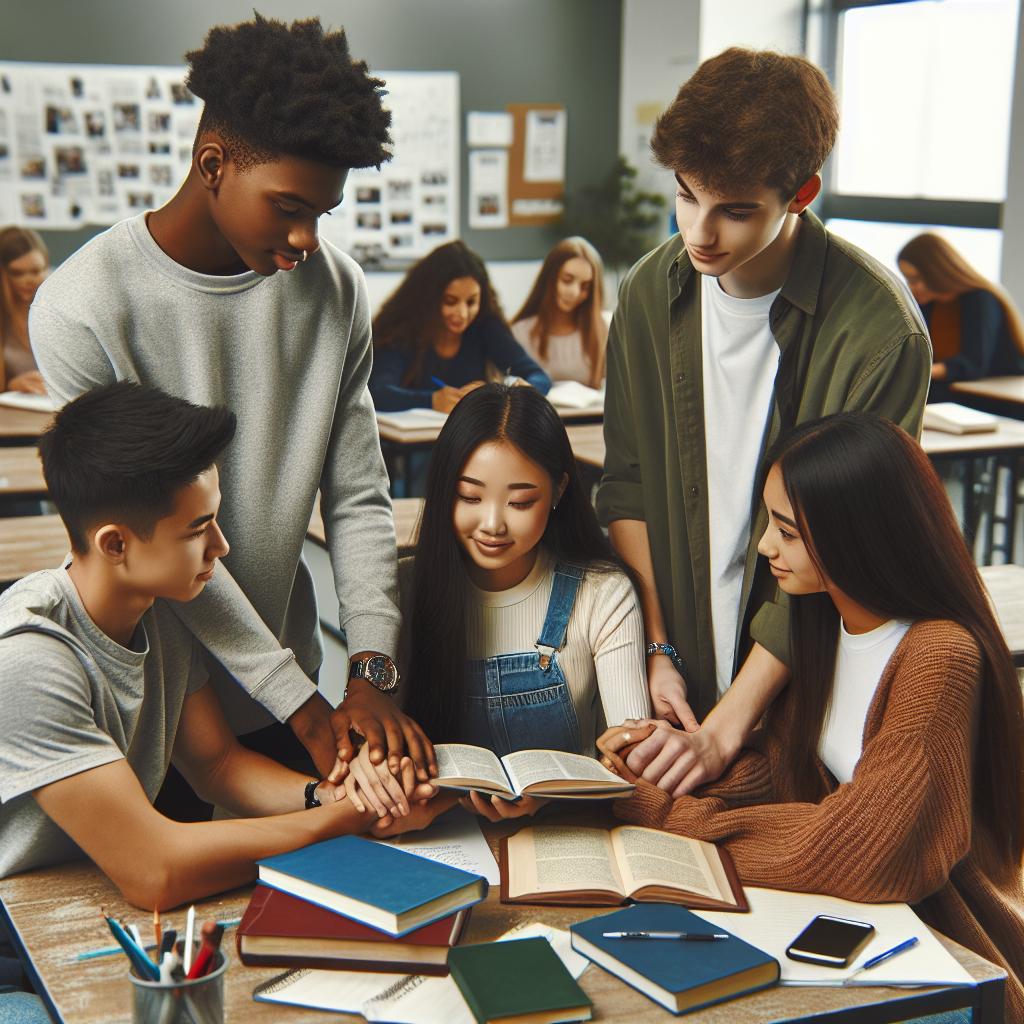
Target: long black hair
878, 525
522, 417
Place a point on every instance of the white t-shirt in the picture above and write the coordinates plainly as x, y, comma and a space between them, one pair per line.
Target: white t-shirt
740, 358
860, 662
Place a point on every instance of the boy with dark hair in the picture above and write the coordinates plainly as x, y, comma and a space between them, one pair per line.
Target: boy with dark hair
226, 295
102, 684
752, 321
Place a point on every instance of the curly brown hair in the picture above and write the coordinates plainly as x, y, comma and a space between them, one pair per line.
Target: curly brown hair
749, 119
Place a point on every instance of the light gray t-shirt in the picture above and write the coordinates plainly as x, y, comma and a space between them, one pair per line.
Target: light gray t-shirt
290, 354
74, 699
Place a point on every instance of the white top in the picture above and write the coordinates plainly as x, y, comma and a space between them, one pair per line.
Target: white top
565, 359
860, 662
740, 358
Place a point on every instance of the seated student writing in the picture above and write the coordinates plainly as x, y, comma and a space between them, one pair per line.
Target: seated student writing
435, 336
514, 580
561, 323
24, 264
892, 766
102, 686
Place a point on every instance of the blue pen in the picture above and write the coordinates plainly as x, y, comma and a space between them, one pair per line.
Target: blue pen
94, 954
887, 955
437, 380
144, 967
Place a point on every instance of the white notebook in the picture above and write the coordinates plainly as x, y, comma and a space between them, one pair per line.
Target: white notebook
413, 419
953, 418
776, 918
570, 394
21, 400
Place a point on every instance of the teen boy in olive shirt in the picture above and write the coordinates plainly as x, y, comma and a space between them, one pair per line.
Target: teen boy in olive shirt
754, 320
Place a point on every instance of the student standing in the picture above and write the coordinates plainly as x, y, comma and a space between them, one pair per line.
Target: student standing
975, 328
441, 332
754, 319
24, 264
892, 768
226, 295
562, 322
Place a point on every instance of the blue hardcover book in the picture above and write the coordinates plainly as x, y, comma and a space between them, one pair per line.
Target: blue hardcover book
386, 888
681, 976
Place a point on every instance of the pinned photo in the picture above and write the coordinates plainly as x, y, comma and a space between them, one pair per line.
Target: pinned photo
33, 167
369, 219
180, 94
161, 175
127, 170
160, 148
95, 124
60, 120
366, 194
70, 160
33, 205
159, 121
434, 178
140, 200
401, 216
127, 117
434, 229
399, 190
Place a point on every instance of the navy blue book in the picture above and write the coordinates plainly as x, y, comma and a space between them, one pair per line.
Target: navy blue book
681, 976
386, 888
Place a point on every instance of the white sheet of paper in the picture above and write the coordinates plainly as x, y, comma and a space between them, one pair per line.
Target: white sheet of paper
22, 400
484, 128
776, 918
455, 840
488, 188
544, 159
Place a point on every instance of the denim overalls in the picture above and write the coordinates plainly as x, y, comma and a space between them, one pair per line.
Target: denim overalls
522, 701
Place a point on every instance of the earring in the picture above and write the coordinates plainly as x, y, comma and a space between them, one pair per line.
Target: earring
305, 255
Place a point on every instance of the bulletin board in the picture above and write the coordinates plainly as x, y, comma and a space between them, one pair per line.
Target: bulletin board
536, 199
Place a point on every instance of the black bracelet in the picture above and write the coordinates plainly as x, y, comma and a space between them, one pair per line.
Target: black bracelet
310, 793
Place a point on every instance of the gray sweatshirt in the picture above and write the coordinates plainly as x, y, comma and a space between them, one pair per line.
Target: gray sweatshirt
290, 355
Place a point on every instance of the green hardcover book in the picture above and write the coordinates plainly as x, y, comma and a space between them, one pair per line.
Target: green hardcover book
521, 980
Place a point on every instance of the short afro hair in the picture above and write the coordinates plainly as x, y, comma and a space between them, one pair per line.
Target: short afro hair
749, 119
272, 89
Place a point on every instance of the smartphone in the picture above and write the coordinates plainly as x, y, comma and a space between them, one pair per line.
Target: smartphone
830, 941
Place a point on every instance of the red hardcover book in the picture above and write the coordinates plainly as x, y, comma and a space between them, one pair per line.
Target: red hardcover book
279, 930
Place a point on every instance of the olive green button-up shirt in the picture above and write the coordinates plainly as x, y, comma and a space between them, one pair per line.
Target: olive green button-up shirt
849, 337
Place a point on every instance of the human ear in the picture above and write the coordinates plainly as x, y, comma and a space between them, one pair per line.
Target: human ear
209, 163
806, 194
109, 541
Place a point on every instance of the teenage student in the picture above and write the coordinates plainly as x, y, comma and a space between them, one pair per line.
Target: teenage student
753, 319
226, 295
435, 336
892, 766
975, 328
561, 323
523, 629
24, 264
102, 684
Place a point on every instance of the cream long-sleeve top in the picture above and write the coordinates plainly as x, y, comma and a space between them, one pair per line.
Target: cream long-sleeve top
603, 655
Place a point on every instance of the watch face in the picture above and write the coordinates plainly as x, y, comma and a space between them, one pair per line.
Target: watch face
381, 672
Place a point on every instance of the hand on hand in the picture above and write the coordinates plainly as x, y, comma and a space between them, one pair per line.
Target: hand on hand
373, 785
420, 815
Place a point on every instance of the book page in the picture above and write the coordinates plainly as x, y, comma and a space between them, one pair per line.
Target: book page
526, 767
649, 857
549, 858
464, 761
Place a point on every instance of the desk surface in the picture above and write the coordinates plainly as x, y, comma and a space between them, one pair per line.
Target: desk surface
30, 543
428, 435
1001, 389
407, 520
24, 424
1005, 584
20, 471
56, 915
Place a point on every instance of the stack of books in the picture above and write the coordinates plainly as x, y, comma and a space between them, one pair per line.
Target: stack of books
351, 904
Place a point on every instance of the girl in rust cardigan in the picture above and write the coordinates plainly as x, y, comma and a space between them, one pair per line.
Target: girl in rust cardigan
920, 796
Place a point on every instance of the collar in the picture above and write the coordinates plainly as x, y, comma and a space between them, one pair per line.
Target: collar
803, 283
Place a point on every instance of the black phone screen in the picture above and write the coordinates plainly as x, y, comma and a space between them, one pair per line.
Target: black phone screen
830, 941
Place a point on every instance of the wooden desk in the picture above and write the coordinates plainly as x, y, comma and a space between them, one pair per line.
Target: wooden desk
1005, 585
1003, 394
407, 521
21, 472
22, 426
30, 543
55, 914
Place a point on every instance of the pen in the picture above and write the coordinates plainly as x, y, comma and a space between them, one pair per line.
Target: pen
681, 936
94, 954
141, 962
437, 380
190, 930
887, 955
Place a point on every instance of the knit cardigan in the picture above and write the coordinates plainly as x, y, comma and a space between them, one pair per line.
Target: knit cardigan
900, 830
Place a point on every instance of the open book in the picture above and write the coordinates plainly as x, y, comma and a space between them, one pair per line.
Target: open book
571, 866
952, 418
546, 773
22, 400
570, 394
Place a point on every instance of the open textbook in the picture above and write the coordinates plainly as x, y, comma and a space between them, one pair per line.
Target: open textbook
777, 917
22, 400
546, 773
570, 394
594, 867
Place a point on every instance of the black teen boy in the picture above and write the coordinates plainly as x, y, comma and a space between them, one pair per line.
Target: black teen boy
756, 319
226, 296
102, 684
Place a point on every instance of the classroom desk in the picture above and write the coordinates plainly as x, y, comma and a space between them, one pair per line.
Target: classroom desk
1005, 585
407, 518
30, 543
22, 426
21, 473
997, 394
55, 914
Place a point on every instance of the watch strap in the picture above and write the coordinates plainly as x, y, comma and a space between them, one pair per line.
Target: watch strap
310, 793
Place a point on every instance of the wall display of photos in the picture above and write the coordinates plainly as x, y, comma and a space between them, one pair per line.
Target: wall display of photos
86, 144
90, 144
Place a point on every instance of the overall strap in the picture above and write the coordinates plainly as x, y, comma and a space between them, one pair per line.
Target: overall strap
556, 620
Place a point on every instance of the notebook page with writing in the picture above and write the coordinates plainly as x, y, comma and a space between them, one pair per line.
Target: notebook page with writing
776, 918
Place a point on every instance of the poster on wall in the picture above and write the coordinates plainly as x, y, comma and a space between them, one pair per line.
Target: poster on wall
86, 144
90, 144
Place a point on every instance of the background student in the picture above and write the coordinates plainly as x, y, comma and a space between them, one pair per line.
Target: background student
892, 766
441, 332
561, 323
513, 579
24, 264
975, 328
755, 319
226, 294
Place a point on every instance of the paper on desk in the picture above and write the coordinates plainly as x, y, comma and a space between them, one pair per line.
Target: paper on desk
417, 999
412, 419
776, 918
455, 840
571, 394
21, 400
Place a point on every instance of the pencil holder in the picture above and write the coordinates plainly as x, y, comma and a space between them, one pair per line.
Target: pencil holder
200, 1001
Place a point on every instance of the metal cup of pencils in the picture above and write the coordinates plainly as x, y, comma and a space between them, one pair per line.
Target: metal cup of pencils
197, 1000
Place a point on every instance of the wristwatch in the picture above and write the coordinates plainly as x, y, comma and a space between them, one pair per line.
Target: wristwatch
670, 652
310, 793
378, 670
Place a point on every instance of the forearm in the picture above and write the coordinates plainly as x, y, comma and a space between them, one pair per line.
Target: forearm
742, 706
630, 540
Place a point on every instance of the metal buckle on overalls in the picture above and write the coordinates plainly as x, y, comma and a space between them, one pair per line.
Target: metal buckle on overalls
545, 653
